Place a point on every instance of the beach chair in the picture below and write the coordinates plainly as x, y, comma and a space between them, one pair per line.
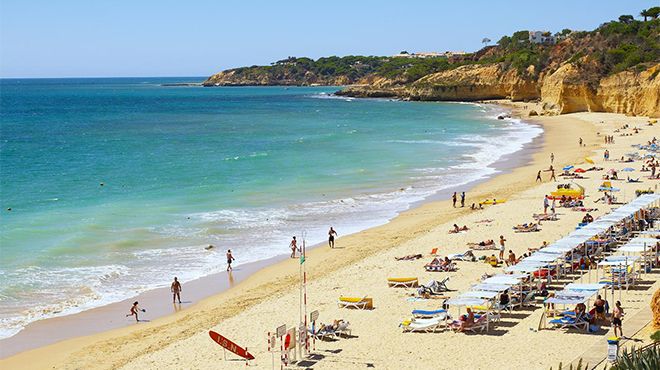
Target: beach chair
466, 256
422, 325
343, 329
567, 322
355, 302
436, 267
434, 287
434, 252
322, 333
425, 314
479, 324
406, 282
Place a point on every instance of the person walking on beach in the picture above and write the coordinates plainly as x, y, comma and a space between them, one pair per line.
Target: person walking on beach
462, 199
331, 237
606, 155
294, 246
552, 175
552, 157
546, 204
617, 315
453, 199
538, 177
230, 259
580, 141
502, 247
134, 311
175, 288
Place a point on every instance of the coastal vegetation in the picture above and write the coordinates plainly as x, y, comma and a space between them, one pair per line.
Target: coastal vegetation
614, 46
612, 68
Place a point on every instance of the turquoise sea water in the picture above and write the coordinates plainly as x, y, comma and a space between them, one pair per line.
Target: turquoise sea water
116, 185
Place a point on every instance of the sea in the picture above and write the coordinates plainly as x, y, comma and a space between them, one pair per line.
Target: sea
111, 186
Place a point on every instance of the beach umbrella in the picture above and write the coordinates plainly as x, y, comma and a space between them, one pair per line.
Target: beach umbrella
580, 170
628, 169
589, 160
567, 168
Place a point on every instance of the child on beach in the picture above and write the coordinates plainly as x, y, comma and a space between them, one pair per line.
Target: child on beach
134, 311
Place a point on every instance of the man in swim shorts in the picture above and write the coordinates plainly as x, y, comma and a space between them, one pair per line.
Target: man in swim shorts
175, 288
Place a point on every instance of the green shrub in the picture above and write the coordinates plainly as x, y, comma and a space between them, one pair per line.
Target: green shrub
648, 359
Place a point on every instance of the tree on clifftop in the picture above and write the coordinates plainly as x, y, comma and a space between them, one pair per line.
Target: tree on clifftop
654, 12
485, 41
627, 19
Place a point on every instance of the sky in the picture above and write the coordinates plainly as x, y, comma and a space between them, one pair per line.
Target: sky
119, 38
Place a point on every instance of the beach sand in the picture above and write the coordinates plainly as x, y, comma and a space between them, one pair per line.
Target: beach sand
360, 266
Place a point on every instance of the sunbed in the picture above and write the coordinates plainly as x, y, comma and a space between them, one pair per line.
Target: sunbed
566, 322
343, 328
424, 314
467, 256
355, 302
434, 287
436, 267
479, 324
422, 325
405, 282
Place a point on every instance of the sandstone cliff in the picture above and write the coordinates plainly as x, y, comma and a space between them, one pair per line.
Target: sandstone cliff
571, 88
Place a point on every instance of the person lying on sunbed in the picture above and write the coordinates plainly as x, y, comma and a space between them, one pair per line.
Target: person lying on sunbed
409, 257
633, 180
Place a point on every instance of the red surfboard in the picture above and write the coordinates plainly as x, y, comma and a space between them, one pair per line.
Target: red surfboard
230, 346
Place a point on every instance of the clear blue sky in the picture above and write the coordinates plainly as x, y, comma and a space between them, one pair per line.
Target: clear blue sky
40, 38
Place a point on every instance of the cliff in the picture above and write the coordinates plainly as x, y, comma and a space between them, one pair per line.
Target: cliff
614, 68
573, 88
235, 77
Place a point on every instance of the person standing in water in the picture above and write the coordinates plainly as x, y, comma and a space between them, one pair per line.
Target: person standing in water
453, 199
462, 199
294, 246
134, 311
230, 259
331, 237
175, 288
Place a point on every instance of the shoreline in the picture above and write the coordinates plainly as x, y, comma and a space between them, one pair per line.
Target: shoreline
359, 267
109, 316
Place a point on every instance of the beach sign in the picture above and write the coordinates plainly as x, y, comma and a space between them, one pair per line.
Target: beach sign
281, 330
313, 316
230, 346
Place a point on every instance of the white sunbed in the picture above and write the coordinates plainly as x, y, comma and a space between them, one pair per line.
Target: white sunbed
424, 325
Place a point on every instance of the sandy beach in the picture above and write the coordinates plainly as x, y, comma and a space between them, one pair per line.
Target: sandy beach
361, 265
